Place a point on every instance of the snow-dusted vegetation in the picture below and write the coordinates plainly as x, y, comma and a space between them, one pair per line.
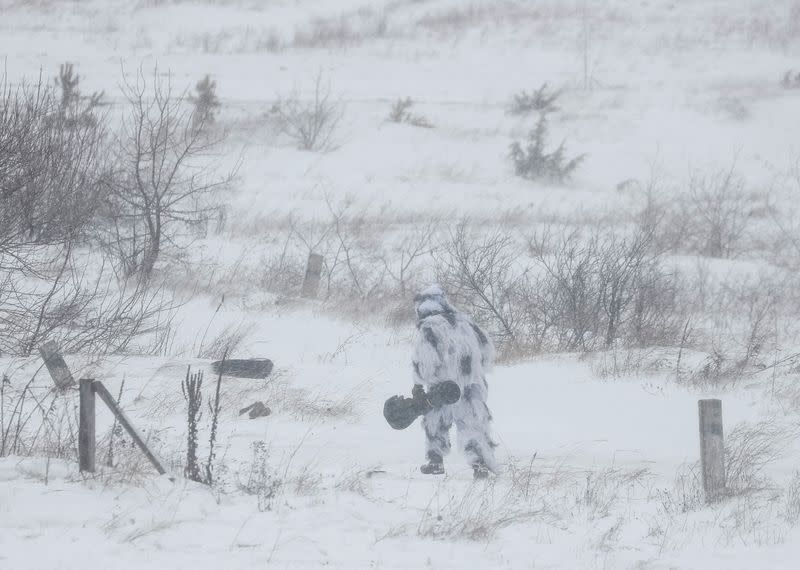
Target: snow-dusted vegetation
610, 189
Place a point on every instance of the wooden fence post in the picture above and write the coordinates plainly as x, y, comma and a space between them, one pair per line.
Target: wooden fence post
86, 429
313, 273
126, 423
58, 369
712, 449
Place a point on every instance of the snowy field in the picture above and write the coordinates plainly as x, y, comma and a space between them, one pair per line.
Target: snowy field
598, 441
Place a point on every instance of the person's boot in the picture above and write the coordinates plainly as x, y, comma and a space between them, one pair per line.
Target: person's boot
434, 466
480, 471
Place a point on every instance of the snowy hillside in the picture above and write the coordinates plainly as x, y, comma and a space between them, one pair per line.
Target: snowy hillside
646, 263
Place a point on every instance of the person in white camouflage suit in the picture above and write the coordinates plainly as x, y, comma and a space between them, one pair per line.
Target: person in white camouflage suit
450, 346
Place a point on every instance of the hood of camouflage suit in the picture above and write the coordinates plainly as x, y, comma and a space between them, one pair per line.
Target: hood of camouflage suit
431, 301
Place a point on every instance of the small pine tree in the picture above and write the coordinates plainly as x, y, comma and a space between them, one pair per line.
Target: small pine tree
76, 108
205, 102
541, 100
401, 113
68, 82
533, 162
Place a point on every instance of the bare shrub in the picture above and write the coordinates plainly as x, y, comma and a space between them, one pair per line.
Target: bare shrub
270, 478
604, 489
36, 421
480, 275
714, 217
533, 161
791, 500
478, 514
307, 481
305, 405
54, 178
686, 493
281, 273
262, 480
749, 450
401, 113
346, 30
603, 288
618, 362
541, 100
81, 306
402, 260
354, 481
572, 293
310, 123
791, 80
52, 169
227, 341
745, 318
165, 183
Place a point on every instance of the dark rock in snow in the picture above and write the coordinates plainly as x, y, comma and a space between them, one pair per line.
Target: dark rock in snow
256, 410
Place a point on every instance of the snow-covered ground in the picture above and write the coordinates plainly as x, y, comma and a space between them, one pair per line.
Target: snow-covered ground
599, 468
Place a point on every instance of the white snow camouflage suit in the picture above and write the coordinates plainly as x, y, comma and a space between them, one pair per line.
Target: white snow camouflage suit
450, 346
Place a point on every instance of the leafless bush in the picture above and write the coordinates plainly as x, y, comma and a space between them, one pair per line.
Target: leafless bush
52, 170
312, 123
744, 321
480, 275
81, 306
263, 481
541, 100
36, 421
791, 500
306, 405
54, 178
604, 489
686, 493
402, 260
572, 293
619, 361
787, 237
227, 341
749, 450
354, 481
604, 288
348, 236
346, 30
165, 181
282, 274
791, 80
478, 514
269, 478
713, 218
401, 113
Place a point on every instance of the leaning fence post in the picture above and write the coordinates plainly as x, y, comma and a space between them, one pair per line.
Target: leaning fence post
712, 449
86, 430
312, 278
58, 369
